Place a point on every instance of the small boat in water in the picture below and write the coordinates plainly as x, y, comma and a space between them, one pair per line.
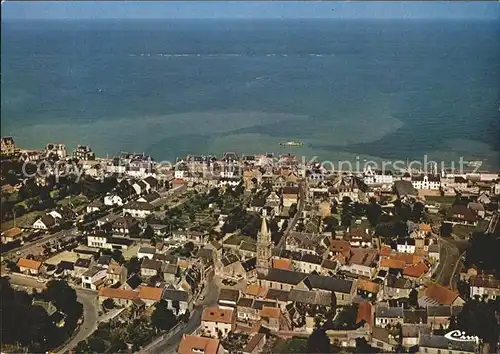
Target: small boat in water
292, 143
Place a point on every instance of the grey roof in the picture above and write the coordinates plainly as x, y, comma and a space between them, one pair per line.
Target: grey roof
229, 259
175, 295
83, 263
171, 269
310, 297
404, 188
134, 281
259, 304
394, 281
150, 264
275, 294
245, 302
249, 264
92, 271
330, 283
441, 342
388, 312
229, 295
104, 260
148, 250
439, 311
284, 276
415, 316
311, 258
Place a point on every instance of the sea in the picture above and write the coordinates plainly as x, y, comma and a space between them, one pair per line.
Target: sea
365, 90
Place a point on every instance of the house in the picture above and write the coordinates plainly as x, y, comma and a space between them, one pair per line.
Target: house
477, 208
150, 267
250, 268
125, 224
289, 195
217, 322
432, 182
147, 252
416, 272
177, 300
270, 317
405, 189
358, 238
231, 266
486, 287
228, 298
365, 314
436, 344
29, 266
150, 295
397, 287
81, 266
113, 200
149, 198
362, 262
383, 340
439, 316
140, 187
385, 315
171, 273
121, 297
460, 214
406, 245
83, 152
195, 344
151, 183
64, 268
7, 145
412, 332
94, 278
436, 294
12, 234
95, 206
46, 222
256, 344
369, 289
308, 263
132, 283
138, 209
116, 273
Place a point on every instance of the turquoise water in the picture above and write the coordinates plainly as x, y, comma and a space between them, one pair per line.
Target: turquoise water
377, 89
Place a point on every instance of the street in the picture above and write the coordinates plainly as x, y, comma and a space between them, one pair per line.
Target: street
170, 344
449, 261
87, 298
300, 208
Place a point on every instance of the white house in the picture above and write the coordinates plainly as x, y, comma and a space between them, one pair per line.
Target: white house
113, 199
147, 252
215, 320
385, 316
97, 241
138, 209
93, 278
140, 187
45, 222
406, 245
488, 287
177, 300
426, 182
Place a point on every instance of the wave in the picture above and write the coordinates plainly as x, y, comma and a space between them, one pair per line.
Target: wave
284, 55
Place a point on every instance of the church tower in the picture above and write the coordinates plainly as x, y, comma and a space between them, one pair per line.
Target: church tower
263, 248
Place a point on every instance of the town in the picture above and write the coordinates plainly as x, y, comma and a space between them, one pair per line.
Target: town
244, 254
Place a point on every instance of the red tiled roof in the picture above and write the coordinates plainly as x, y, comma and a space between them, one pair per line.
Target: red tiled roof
29, 263
364, 313
416, 271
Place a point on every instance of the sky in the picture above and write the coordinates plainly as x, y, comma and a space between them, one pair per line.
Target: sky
248, 9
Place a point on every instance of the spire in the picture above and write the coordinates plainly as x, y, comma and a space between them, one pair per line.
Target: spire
263, 227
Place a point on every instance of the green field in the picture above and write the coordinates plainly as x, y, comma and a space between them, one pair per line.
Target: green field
236, 239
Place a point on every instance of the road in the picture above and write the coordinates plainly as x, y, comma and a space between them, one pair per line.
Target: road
170, 344
449, 261
300, 208
87, 298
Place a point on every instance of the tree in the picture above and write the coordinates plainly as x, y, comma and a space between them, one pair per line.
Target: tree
162, 317
61, 295
108, 304
413, 298
318, 342
176, 306
133, 265
373, 212
148, 232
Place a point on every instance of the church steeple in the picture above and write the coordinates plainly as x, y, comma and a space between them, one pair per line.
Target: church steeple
263, 248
